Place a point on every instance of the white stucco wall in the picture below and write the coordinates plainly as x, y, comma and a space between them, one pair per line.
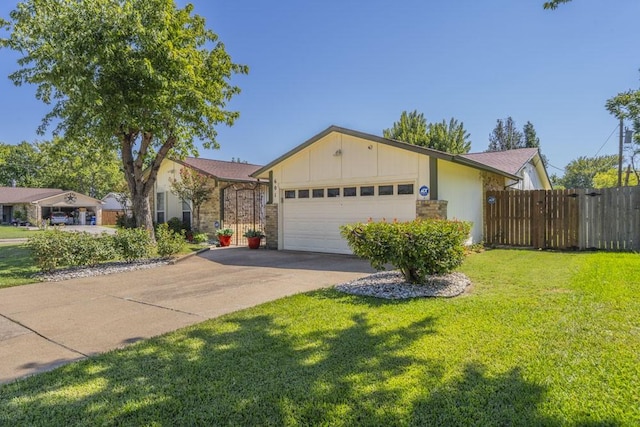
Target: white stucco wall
169, 170
461, 186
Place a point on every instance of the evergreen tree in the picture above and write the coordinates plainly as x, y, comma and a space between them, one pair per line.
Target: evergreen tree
451, 137
505, 136
412, 128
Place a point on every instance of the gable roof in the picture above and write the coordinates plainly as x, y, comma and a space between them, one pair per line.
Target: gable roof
393, 143
220, 169
511, 161
9, 195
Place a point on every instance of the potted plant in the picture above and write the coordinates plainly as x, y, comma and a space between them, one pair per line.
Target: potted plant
224, 236
253, 238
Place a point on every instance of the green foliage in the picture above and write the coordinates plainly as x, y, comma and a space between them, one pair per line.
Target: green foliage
200, 237
168, 241
225, 232
90, 250
125, 221
22, 164
253, 233
175, 224
418, 248
580, 173
450, 137
192, 187
52, 249
505, 136
553, 4
133, 243
610, 178
79, 165
411, 128
140, 76
414, 129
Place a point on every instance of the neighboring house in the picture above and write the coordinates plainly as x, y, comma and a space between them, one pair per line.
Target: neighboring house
526, 163
237, 199
344, 176
37, 204
113, 207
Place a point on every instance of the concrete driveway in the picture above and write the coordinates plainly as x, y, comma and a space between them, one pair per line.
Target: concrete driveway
45, 325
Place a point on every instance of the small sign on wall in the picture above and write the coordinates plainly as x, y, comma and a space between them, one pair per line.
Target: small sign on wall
424, 191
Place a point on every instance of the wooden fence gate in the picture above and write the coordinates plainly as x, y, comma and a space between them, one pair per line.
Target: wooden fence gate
606, 218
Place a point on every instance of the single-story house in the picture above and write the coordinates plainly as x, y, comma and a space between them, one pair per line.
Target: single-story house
237, 199
35, 205
342, 176
114, 205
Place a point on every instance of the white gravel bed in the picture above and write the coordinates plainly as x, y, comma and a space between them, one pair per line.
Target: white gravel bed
391, 285
100, 270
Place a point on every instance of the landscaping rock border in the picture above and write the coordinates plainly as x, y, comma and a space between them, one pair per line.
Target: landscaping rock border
391, 285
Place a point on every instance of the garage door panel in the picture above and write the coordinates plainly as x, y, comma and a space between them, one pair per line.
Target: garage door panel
314, 225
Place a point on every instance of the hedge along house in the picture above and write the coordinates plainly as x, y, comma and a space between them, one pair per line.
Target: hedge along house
237, 199
344, 176
36, 205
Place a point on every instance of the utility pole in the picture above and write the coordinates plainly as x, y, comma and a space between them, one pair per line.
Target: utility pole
620, 153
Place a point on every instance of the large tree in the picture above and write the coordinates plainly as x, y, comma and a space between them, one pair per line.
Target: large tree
580, 173
412, 128
625, 106
80, 166
505, 136
140, 76
450, 137
20, 166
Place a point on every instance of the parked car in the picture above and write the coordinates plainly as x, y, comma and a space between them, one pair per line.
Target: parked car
59, 218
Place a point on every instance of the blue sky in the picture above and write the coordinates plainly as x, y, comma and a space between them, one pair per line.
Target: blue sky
360, 64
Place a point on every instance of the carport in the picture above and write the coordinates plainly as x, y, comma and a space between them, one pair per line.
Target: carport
34, 205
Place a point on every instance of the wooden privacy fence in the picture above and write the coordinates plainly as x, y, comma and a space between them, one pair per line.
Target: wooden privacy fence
607, 218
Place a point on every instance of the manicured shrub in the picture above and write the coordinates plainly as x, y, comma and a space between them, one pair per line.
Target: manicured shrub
169, 242
133, 243
200, 237
91, 250
175, 224
53, 249
418, 248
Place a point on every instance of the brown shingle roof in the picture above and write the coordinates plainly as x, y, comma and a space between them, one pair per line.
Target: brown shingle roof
11, 195
228, 171
510, 161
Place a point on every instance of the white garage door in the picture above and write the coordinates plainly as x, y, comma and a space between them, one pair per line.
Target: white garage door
313, 223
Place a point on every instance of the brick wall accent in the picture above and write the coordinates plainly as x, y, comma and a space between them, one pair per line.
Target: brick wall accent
271, 229
209, 210
431, 209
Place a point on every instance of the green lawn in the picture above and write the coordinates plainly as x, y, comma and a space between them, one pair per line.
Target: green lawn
541, 339
16, 265
11, 232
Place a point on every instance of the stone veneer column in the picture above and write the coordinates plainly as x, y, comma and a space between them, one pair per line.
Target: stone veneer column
271, 228
431, 209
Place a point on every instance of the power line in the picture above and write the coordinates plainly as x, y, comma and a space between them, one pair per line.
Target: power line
605, 143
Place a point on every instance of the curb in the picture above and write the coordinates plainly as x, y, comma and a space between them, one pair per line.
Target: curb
174, 261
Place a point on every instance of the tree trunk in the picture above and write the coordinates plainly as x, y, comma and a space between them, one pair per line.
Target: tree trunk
142, 210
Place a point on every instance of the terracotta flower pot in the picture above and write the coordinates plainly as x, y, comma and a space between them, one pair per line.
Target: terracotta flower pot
254, 242
224, 240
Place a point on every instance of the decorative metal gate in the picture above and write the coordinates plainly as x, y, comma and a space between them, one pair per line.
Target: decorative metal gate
243, 208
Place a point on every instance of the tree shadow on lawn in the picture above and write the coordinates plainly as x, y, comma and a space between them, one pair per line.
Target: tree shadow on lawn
251, 370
